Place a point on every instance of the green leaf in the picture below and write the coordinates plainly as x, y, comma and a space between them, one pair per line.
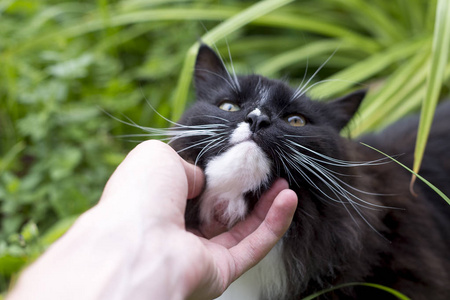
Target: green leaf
436, 73
64, 162
373, 285
57, 230
10, 264
443, 196
12, 154
29, 231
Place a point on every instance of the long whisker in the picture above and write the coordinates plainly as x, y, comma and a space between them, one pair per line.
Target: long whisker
333, 177
301, 88
304, 91
231, 81
211, 145
338, 189
339, 162
297, 165
351, 202
306, 72
201, 142
228, 81
236, 81
216, 117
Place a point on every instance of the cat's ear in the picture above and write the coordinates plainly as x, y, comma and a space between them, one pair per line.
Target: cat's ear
343, 109
209, 70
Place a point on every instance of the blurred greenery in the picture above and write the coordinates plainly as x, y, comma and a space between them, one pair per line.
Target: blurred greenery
66, 67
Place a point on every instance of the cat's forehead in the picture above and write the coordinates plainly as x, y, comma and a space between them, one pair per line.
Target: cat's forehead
265, 93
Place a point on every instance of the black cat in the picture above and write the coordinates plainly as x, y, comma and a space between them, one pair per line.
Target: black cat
356, 220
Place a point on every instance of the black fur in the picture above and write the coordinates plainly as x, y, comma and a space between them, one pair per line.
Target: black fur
329, 243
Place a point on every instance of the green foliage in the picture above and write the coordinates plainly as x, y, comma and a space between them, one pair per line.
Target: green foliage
372, 285
63, 64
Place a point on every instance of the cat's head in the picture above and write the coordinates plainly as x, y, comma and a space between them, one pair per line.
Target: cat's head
245, 131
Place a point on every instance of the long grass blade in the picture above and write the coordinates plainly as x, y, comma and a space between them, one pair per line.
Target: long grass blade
439, 57
434, 188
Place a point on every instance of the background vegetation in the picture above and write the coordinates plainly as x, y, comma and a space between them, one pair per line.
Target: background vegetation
63, 64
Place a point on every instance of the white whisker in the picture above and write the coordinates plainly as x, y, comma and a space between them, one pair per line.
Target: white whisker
301, 93
211, 145
339, 191
236, 81
230, 83
301, 88
339, 162
201, 142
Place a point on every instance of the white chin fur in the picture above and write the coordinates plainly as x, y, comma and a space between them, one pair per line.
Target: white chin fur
241, 133
241, 169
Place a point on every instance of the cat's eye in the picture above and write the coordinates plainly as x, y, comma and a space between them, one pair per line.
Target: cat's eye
229, 106
295, 120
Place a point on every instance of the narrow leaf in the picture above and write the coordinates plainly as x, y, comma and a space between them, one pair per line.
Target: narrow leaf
373, 285
414, 173
439, 57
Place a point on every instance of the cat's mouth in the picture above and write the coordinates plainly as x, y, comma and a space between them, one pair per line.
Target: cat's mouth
218, 223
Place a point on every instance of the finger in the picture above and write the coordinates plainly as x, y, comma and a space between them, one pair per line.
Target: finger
254, 247
251, 222
263, 206
195, 177
154, 176
143, 165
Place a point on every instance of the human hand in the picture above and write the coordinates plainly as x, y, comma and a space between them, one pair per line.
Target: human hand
134, 245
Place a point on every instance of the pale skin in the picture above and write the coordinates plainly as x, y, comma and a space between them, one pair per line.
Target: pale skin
134, 245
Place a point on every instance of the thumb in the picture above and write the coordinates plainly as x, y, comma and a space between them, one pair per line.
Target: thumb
151, 171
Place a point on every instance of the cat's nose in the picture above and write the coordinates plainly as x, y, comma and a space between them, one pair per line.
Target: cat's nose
257, 122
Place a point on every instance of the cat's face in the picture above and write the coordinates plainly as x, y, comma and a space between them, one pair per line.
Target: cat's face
246, 131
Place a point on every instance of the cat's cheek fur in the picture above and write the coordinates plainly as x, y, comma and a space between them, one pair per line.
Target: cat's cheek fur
242, 168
